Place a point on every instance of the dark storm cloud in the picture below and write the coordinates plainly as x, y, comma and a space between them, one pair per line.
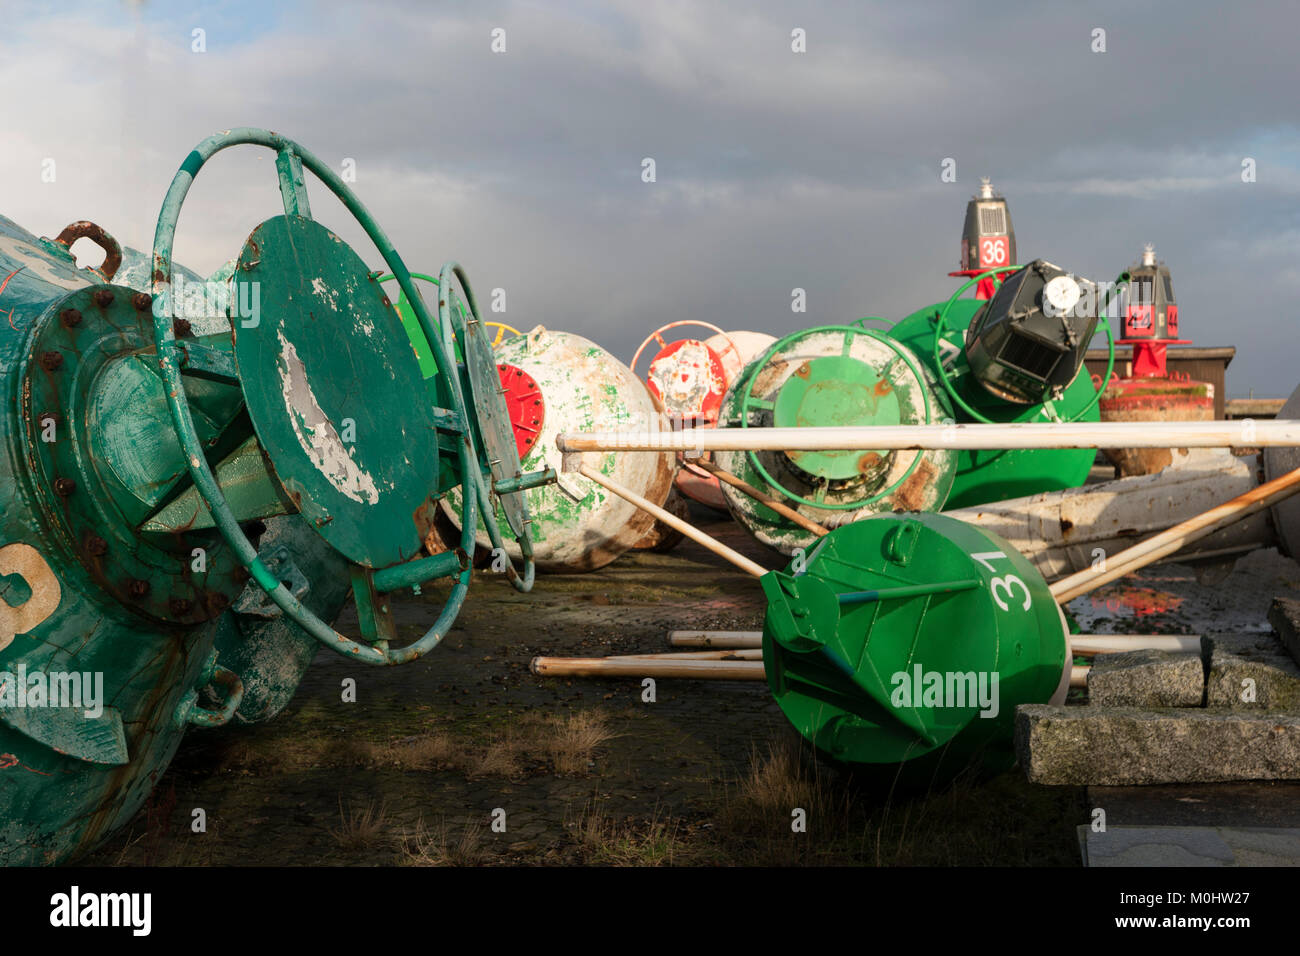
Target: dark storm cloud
775, 169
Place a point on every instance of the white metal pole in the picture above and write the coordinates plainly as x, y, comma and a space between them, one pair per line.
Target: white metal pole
1213, 434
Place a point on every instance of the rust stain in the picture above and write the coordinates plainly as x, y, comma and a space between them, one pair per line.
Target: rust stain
97, 235
803, 370
912, 495
883, 387
868, 462
3, 286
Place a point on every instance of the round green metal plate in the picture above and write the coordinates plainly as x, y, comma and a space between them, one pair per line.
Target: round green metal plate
335, 392
835, 390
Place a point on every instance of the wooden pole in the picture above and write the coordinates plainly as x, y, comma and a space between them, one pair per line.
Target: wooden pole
1212, 434
641, 668
780, 507
670, 519
734, 639
735, 654
1079, 675
1176, 538
1089, 645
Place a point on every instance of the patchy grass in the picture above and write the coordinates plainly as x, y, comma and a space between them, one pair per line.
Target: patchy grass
575, 739
360, 827
503, 756
423, 847
603, 842
436, 751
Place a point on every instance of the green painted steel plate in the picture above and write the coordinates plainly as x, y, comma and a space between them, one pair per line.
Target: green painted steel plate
491, 417
835, 390
333, 389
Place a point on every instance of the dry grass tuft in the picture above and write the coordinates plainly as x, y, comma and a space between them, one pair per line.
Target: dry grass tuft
436, 848
436, 751
574, 740
502, 757
360, 826
603, 842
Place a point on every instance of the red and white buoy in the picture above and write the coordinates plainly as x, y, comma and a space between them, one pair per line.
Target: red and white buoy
688, 377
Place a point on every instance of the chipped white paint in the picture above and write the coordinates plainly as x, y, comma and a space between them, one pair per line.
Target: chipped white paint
578, 525
326, 294
316, 433
12, 247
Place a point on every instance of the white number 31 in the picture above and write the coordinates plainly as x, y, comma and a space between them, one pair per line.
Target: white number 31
1003, 585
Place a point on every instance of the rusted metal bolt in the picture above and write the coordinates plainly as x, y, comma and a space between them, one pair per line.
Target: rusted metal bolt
70, 318
138, 588
218, 600
181, 328
51, 361
179, 607
96, 546
103, 298
142, 301
63, 487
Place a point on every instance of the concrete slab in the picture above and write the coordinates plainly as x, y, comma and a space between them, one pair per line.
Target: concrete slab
1073, 746
1284, 615
1189, 846
1146, 678
1250, 672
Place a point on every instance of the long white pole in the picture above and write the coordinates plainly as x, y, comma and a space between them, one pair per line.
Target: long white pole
692, 532
1214, 434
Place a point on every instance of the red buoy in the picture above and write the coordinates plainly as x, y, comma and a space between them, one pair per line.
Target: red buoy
1150, 392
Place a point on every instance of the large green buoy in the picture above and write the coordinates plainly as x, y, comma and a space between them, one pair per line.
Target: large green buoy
911, 637
945, 338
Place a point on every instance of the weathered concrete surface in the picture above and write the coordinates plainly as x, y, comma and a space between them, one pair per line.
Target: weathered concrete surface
1250, 672
1271, 804
1146, 678
1255, 823
1190, 846
1061, 746
1284, 615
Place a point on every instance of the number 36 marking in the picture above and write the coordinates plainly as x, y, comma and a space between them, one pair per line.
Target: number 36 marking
1004, 585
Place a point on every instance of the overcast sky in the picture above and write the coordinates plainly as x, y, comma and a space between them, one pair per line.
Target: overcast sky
774, 169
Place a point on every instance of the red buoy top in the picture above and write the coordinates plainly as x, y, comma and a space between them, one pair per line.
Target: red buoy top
1149, 320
